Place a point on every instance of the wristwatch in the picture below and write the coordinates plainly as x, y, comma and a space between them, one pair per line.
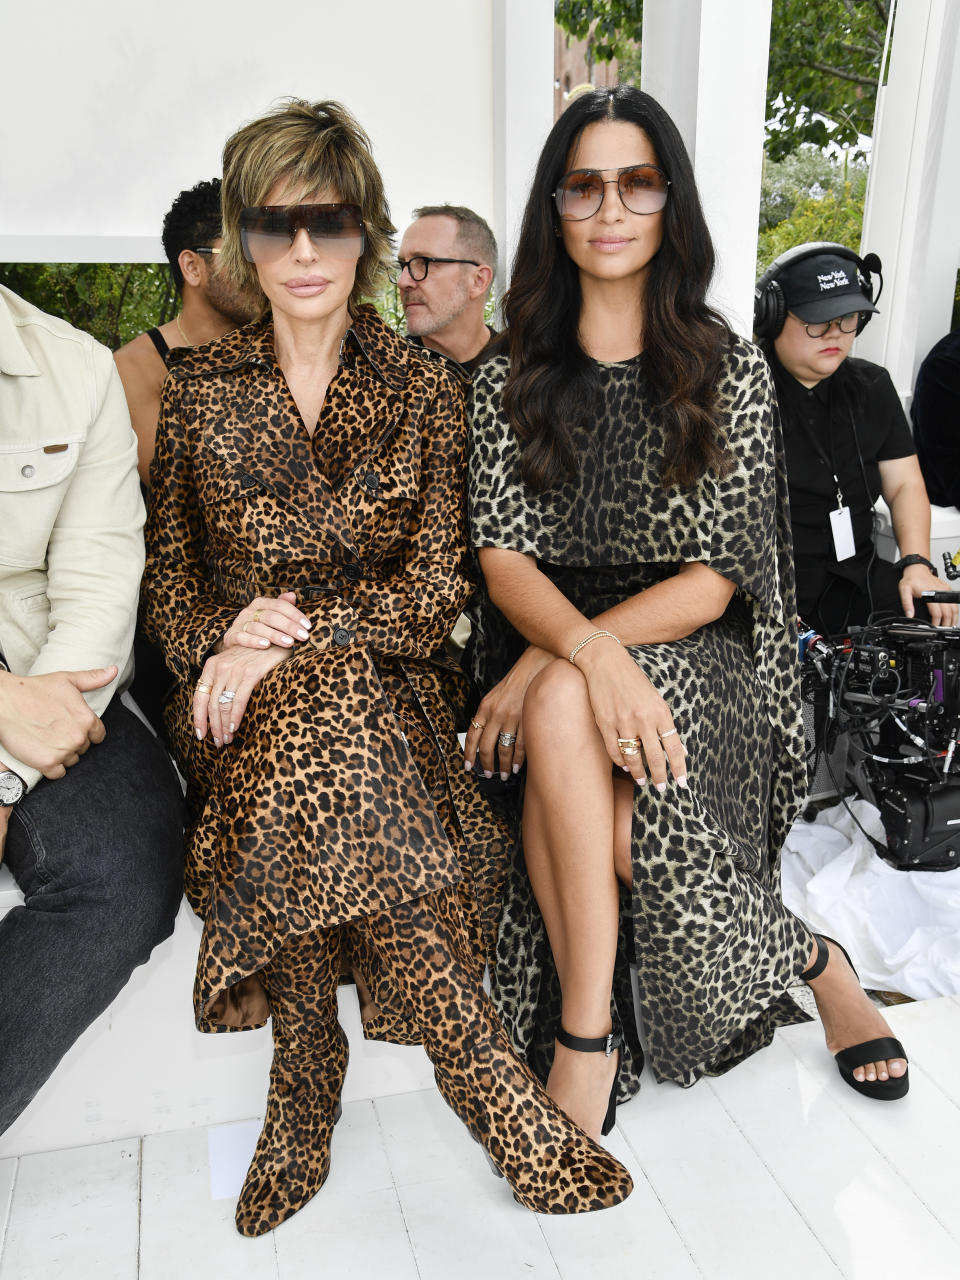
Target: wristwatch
907, 561
12, 788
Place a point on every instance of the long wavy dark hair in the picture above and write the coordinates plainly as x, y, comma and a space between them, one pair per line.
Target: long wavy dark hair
553, 385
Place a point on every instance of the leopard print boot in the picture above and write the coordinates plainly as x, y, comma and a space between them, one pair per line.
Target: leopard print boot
292, 1158
551, 1164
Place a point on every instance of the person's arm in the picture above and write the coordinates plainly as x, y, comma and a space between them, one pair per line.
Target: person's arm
182, 610
669, 610
413, 610
905, 494
142, 373
94, 562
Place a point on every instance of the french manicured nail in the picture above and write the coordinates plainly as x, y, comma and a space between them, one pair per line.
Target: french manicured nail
467, 765
227, 739
516, 768
487, 773
302, 634
661, 787
682, 781
199, 735
305, 622
503, 776
233, 728
286, 639
642, 780
216, 741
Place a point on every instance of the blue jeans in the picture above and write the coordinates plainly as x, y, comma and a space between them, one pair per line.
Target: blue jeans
98, 855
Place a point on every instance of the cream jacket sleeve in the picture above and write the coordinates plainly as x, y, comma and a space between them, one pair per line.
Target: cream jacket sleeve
71, 515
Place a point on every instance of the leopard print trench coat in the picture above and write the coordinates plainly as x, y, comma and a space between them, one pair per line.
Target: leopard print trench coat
343, 792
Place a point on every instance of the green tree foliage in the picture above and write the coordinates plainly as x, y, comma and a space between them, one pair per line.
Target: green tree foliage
824, 62
806, 172
111, 301
837, 215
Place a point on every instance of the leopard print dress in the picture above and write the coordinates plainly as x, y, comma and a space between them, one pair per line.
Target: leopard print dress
713, 947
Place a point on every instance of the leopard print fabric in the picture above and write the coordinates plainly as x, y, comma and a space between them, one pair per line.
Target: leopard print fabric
342, 793
713, 946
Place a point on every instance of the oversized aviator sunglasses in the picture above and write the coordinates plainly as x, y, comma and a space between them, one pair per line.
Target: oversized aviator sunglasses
267, 231
642, 188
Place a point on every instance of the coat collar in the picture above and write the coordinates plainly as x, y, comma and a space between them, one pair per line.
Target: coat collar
387, 354
272, 447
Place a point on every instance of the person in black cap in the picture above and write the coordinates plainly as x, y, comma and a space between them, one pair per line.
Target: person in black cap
847, 441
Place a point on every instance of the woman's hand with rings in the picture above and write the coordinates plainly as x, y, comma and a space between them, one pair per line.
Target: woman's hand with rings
494, 741
634, 721
266, 621
221, 694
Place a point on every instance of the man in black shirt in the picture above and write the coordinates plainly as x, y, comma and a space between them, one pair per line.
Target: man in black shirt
936, 420
447, 261
847, 441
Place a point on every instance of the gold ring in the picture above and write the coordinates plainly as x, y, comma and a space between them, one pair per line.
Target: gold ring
667, 734
629, 746
203, 688
256, 616
244, 627
477, 725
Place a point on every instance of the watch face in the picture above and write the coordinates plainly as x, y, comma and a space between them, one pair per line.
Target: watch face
11, 788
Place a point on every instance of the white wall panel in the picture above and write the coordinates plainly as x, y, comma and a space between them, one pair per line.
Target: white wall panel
110, 108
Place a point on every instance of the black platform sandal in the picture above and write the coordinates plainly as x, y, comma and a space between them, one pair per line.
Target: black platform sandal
858, 1055
602, 1044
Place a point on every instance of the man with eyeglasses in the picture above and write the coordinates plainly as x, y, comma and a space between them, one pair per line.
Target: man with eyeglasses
446, 263
209, 308
847, 441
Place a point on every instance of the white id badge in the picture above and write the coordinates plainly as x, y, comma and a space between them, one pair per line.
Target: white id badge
841, 526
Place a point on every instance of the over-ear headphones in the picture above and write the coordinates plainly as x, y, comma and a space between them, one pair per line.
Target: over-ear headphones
769, 304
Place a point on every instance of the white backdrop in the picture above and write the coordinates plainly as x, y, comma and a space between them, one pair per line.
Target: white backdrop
111, 107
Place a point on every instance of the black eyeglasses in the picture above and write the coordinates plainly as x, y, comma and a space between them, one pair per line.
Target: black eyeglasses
419, 266
846, 324
642, 188
267, 231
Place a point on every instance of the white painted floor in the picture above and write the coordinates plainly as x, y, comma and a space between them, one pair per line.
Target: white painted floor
775, 1170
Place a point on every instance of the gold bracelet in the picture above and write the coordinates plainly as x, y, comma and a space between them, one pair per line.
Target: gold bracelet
594, 635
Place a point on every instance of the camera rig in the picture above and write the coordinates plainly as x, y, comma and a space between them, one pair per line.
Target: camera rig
886, 702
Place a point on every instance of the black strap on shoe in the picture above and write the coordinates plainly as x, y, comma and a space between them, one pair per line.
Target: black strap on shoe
818, 966
601, 1044
885, 1049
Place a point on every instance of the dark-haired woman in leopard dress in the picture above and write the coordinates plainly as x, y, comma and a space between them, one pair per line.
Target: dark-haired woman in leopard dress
627, 500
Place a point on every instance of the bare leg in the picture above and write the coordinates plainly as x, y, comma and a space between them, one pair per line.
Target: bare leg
569, 818
849, 1017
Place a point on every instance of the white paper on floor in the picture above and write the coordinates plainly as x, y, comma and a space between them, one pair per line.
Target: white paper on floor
902, 928
230, 1148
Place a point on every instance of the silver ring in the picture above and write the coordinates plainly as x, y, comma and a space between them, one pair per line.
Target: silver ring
506, 739
226, 697
661, 736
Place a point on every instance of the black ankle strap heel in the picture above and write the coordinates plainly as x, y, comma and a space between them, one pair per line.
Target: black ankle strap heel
858, 1055
600, 1044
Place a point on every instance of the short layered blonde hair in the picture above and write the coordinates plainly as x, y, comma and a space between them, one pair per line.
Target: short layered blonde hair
312, 147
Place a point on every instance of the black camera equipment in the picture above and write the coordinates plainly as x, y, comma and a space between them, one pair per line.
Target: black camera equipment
890, 694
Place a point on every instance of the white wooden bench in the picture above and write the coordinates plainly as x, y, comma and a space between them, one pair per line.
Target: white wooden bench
143, 1068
